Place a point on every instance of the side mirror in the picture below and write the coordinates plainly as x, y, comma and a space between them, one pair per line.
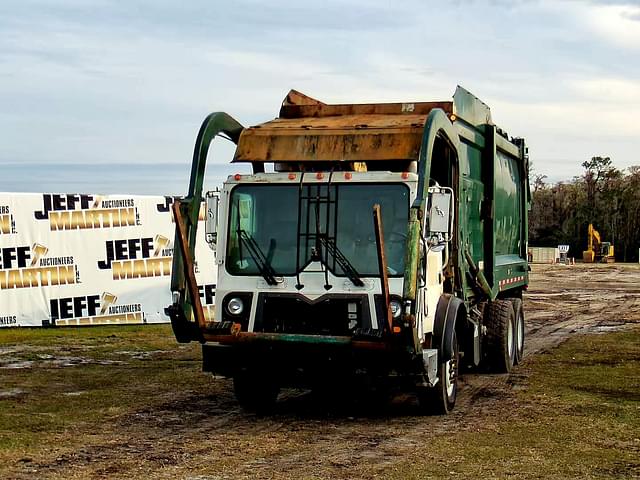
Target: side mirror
440, 212
211, 222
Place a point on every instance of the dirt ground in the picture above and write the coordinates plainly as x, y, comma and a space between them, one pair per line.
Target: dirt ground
197, 431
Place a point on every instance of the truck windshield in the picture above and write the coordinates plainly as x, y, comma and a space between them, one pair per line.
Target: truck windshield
293, 225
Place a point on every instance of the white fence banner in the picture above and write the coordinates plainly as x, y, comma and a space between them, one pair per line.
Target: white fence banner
71, 259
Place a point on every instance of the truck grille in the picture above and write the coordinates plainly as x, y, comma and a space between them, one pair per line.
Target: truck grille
329, 315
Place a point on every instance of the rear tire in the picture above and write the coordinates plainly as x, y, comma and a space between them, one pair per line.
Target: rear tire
518, 310
255, 391
500, 337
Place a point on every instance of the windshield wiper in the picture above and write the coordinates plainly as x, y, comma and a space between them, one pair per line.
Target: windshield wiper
259, 258
347, 267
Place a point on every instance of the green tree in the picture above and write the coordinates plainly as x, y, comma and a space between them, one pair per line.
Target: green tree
602, 195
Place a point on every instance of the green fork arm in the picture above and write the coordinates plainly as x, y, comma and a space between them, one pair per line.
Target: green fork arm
218, 123
436, 125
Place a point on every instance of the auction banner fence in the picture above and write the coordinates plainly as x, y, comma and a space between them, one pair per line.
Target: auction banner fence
71, 259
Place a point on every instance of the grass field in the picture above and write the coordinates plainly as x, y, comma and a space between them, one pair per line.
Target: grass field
575, 413
67, 397
62, 383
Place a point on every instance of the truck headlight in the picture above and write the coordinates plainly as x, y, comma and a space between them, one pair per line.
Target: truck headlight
396, 308
235, 306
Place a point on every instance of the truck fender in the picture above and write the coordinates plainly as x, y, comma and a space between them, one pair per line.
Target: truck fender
449, 311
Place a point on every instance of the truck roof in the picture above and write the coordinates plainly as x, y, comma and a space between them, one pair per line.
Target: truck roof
308, 130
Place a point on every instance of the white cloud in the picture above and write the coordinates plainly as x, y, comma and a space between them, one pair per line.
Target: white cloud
619, 24
609, 90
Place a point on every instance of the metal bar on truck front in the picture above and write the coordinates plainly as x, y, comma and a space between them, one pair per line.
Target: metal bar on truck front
189, 273
382, 265
293, 339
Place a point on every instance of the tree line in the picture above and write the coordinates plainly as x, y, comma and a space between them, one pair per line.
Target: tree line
603, 195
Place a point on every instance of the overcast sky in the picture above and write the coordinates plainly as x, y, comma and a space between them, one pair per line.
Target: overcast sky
130, 81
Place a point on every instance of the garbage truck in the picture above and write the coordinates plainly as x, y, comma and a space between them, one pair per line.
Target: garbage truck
381, 240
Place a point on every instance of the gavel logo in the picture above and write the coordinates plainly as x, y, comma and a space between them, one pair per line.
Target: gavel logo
38, 251
107, 299
160, 242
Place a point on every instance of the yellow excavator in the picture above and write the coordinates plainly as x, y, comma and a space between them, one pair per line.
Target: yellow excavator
597, 251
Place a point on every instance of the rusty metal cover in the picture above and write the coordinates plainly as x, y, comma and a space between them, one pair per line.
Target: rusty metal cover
295, 97
309, 130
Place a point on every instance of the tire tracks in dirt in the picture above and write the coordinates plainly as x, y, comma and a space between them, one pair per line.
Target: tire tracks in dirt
189, 432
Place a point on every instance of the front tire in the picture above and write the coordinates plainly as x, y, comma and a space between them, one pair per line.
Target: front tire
441, 399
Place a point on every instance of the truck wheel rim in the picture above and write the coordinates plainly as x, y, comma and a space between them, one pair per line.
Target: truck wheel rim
520, 333
510, 339
450, 377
